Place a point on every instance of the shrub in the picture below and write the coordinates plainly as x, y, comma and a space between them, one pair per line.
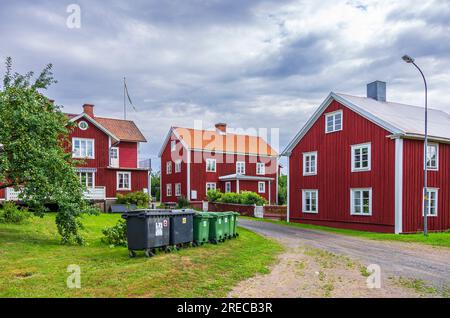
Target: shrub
214, 195
230, 197
141, 199
11, 213
248, 197
116, 235
183, 202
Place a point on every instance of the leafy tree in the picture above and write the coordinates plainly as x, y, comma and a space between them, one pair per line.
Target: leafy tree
34, 136
282, 190
156, 183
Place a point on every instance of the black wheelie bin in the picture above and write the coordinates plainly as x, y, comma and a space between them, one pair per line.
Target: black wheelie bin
147, 230
181, 228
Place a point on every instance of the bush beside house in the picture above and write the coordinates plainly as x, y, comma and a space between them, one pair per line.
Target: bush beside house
245, 197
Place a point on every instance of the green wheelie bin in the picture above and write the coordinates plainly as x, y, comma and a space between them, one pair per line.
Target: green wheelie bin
233, 224
201, 228
216, 223
226, 225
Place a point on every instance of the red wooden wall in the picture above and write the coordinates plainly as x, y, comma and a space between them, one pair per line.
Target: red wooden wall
335, 179
128, 154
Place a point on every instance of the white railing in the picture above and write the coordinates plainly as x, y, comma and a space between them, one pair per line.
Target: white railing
12, 195
97, 193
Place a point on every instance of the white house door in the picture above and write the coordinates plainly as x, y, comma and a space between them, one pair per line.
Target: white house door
114, 157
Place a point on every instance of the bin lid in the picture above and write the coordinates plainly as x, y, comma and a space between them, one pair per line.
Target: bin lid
183, 212
146, 213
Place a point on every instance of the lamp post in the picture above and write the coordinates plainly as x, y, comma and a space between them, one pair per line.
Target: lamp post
408, 59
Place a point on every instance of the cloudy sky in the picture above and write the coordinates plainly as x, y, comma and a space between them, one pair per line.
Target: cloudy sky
254, 63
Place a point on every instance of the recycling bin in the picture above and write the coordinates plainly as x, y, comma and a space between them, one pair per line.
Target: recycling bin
181, 227
233, 224
201, 228
216, 227
226, 224
147, 230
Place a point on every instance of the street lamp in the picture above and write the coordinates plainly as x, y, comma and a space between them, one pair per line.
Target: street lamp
408, 59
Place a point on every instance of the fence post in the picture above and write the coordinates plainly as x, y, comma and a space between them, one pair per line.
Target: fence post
205, 206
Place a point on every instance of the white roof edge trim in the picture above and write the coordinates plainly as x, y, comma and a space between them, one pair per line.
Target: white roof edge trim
332, 96
95, 123
166, 140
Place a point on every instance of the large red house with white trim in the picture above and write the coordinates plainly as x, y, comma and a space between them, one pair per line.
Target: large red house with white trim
109, 149
194, 161
358, 163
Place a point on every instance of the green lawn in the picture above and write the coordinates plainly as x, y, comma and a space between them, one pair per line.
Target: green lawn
434, 239
33, 264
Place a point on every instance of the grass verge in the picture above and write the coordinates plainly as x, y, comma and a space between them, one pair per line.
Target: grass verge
434, 239
34, 264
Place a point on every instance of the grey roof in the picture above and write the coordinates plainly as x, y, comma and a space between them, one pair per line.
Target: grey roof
244, 177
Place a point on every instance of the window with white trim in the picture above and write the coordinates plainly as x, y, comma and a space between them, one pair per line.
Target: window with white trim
260, 168
310, 202
210, 165
433, 156
83, 148
432, 206
178, 189
86, 179
169, 189
178, 166
361, 201
333, 122
361, 157
173, 145
227, 187
240, 167
261, 187
210, 186
310, 163
123, 180
168, 167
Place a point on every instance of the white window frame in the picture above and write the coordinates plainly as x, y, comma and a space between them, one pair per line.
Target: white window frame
119, 173
81, 123
260, 168
117, 149
352, 202
178, 189
169, 189
433, 168
309, 155
208, 161
211, 186
169, 167
308, 193
178, 166
369, 157
173, 145
80, 173
80, 155
227, 187
333, 115
239, 165
429, 190
262, 183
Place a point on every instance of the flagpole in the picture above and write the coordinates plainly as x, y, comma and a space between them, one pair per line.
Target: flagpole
124, 100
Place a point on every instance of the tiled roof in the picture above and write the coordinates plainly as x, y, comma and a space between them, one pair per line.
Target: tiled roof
125, 130
224, 142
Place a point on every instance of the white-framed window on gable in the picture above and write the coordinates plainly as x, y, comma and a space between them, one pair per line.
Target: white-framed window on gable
178, 166
173, 145
169, 189
210, 165
178, 189
86, 179
169, 167
433, 156
123, 180
361, 157
432, 206
310, 163
333, 121
83, 148
227, 187
240, 167
310, 201
260, 168
361, 201
210, 186
261, 187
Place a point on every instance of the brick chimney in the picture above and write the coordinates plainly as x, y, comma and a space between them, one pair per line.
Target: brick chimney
221, 128
89, 110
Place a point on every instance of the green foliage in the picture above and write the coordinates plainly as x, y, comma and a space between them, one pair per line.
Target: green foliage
156, 186
230, 197
183, 202
34, 133
116, 235
12, 214
141, 199
248, 197
214, 195
282, 190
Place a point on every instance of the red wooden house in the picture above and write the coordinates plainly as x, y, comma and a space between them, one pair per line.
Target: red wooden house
359, 163
109, 149
194, 161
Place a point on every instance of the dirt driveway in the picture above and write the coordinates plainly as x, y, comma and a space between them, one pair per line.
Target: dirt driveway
323, 264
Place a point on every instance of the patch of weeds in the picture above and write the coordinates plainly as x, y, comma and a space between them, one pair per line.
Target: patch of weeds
321, 276
418, 285
324, 258
364, 271
327, 289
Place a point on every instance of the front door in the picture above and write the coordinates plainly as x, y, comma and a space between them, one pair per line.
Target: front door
114, 157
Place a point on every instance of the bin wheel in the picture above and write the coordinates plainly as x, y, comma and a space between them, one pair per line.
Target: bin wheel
195, 244
149, 253
214, 242
167, 249
131, 253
